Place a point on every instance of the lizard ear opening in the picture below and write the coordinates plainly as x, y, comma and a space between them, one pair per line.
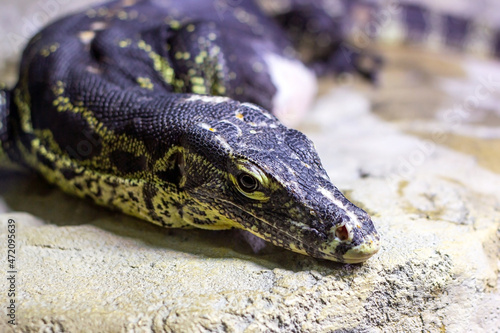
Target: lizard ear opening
175, 172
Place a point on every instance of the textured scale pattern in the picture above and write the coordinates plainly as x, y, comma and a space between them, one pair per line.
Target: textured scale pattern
163, 110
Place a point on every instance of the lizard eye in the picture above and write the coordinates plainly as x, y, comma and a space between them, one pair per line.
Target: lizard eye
247, 182
250, 180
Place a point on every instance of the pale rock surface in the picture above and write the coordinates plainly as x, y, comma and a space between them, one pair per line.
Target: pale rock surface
436, 203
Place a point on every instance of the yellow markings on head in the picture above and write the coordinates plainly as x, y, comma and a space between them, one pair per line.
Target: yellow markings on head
214, 220
145, 82
240, 116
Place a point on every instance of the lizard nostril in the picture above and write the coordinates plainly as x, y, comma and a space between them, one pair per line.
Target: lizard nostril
342, 233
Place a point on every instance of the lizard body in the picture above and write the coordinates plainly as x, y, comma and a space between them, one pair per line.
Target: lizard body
159, 109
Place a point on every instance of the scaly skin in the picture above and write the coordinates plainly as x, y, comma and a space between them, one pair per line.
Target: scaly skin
112, 104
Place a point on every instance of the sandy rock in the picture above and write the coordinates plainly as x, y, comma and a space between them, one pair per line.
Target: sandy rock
436, 204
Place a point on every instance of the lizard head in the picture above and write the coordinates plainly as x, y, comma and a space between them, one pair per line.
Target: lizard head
249, 171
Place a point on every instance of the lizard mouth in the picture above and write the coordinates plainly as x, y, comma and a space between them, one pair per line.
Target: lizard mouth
356, 254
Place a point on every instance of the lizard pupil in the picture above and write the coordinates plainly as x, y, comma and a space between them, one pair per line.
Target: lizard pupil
247, 182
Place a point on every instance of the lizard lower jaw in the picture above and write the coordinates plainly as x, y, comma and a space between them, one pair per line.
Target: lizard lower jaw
361, 252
